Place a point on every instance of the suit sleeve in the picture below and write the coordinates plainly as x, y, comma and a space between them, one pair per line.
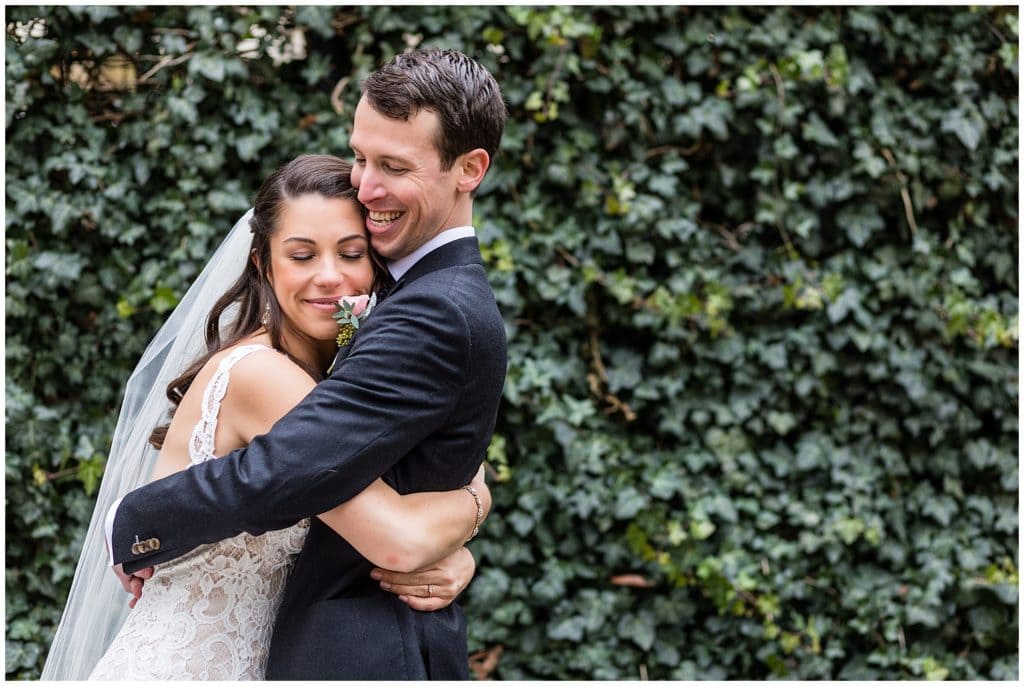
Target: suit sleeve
398, 384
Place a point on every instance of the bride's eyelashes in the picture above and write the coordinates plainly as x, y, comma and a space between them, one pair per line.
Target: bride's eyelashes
350, 256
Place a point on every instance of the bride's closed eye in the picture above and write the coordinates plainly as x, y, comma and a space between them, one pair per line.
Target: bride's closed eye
350, 256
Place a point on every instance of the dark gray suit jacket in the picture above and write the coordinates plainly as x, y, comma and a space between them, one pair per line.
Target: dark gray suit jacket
414, 398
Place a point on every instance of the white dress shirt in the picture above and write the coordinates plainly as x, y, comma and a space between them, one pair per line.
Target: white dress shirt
399, 267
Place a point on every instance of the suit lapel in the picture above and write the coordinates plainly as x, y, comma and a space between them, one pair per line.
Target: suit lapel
463, 251
341, 355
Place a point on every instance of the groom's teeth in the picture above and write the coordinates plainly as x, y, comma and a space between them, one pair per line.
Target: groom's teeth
384, 217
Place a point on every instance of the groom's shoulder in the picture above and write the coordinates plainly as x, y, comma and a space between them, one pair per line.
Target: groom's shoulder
456, 275
463, 288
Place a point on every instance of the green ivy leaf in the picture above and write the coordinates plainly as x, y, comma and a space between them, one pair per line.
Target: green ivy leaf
639, 628
966, 123
210, 65
164, 299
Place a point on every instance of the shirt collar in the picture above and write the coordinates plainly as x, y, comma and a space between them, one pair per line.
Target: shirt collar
399, 267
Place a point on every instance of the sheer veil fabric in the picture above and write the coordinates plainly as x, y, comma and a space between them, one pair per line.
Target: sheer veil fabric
97, 605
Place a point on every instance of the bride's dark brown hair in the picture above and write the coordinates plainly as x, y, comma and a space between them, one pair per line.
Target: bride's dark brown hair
323, 175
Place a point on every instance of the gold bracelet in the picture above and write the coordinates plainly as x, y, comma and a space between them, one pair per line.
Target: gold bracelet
479, 512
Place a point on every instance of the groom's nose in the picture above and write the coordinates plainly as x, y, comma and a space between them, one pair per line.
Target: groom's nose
370, 186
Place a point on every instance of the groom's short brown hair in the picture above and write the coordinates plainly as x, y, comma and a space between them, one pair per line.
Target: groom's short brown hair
462, 92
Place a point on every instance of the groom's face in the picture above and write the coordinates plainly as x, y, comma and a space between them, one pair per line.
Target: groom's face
409, 199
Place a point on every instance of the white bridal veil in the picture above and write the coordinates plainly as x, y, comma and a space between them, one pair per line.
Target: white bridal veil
97, 605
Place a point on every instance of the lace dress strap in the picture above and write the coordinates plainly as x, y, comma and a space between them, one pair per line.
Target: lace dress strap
201, 445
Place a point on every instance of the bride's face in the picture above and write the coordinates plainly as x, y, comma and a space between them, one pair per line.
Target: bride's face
318, 253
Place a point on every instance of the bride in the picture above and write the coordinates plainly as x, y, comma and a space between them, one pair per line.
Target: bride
269, 337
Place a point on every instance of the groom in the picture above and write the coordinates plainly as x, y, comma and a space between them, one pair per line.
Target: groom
414, 398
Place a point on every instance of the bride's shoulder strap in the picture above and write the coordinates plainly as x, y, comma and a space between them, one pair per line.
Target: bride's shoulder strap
201, 444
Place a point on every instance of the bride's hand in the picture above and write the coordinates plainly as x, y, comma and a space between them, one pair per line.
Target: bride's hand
431, 588
131, 583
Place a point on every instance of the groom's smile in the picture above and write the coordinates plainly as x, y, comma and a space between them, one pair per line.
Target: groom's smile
383, 219
380, 223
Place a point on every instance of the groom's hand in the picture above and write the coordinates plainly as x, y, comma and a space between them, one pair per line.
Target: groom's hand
433, 587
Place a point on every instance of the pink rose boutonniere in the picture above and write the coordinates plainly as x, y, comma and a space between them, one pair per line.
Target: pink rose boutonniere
352, 311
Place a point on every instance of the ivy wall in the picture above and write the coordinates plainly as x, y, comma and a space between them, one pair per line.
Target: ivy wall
759, 273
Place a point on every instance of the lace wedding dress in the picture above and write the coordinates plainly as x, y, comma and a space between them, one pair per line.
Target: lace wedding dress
207, 615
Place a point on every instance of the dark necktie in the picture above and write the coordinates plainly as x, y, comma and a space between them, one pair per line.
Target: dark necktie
387, 283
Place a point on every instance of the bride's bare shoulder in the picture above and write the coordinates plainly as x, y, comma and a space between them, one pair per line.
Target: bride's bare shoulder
263, 370
264, 385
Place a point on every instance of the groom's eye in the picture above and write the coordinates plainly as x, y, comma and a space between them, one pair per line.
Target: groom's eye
390, 169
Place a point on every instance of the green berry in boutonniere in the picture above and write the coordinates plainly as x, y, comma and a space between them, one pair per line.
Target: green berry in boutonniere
352, 311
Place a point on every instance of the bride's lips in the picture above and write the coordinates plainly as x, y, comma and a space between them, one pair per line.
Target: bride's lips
325, 304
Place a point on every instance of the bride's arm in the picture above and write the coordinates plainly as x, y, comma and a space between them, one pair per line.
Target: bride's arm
403, 533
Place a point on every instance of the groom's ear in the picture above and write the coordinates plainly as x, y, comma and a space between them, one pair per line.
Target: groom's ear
472, 166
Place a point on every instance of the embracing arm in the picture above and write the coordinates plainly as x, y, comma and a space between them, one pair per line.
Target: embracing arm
405, 533
373, 410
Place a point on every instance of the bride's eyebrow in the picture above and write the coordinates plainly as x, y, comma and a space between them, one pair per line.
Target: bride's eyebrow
300, 239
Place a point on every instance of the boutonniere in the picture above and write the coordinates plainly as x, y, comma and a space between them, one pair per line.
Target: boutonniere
352, 312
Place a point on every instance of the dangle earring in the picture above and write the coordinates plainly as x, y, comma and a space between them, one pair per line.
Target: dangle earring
265, 319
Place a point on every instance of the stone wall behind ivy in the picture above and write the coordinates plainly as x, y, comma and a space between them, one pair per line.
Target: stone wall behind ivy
759, 272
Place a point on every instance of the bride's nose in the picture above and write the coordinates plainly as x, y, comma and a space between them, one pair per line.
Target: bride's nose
329, 274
